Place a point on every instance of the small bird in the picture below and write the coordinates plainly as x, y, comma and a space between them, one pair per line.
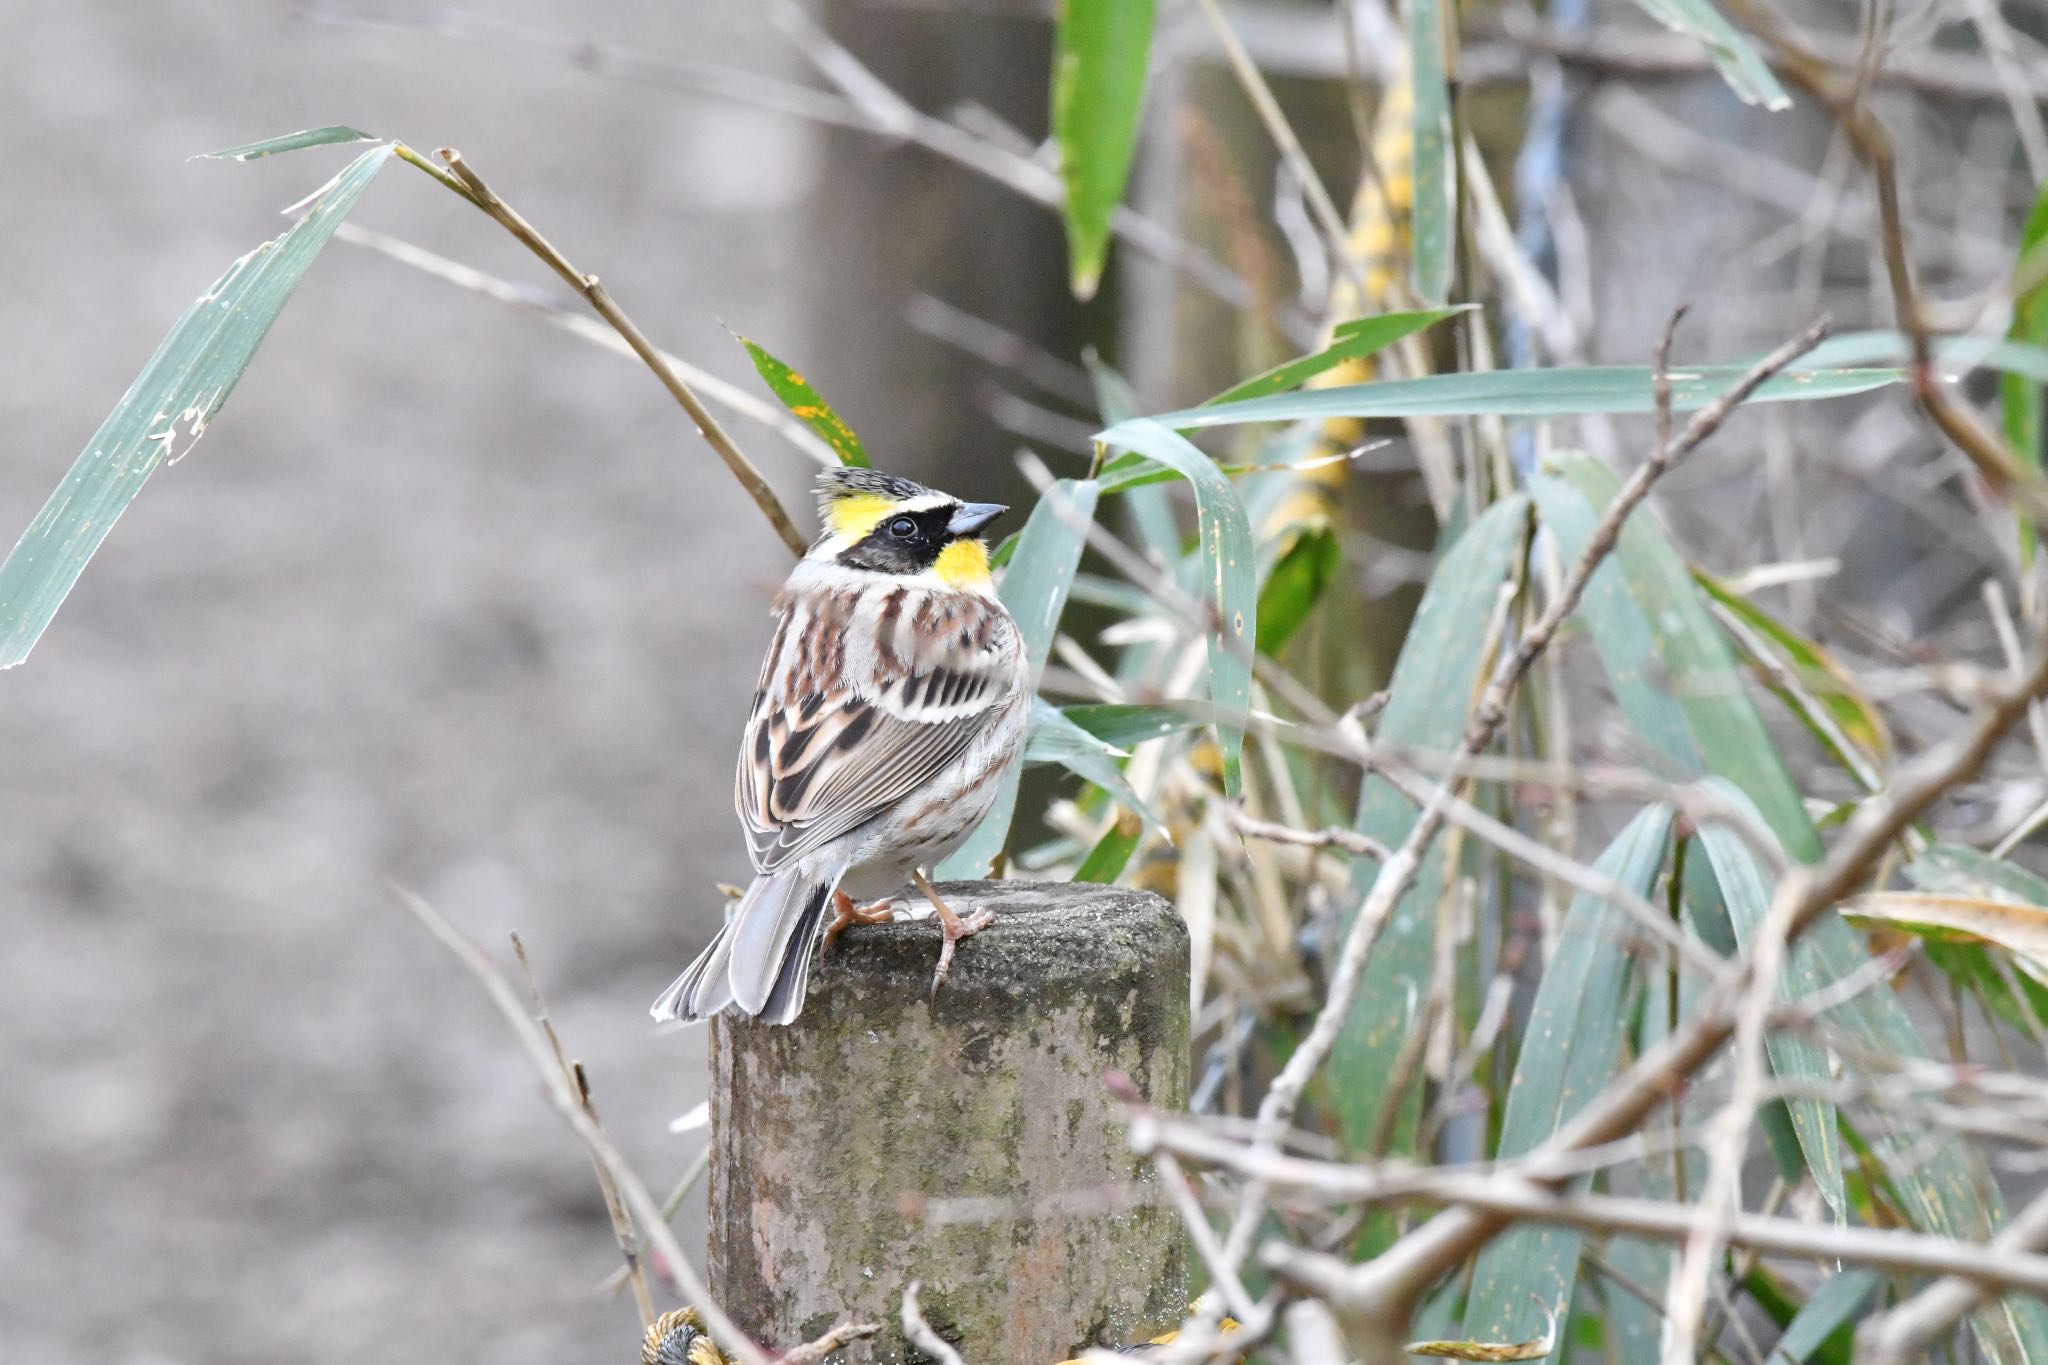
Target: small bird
891, 705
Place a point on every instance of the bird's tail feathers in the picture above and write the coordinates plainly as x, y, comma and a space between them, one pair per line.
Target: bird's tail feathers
759, 964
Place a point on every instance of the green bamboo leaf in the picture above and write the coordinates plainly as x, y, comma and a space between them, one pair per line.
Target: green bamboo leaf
1671, 668
1706, 910
1820, 1328
1127, 724
1034, 588
1571, 1048
1112, 852
1674, 679
1819, 691
1955, 355
1098, 83
165, 410
1229, 575
1150, 510
1954, 870
1439, 671
290, 142
1561, 392
1349, 341
1740, 64
1746, 894
1115, 399
2019, 396
1295, 584
805, 404
1433, 237
1674, 1173
1055, 739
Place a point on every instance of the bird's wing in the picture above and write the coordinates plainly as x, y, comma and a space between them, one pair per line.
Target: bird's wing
864, 697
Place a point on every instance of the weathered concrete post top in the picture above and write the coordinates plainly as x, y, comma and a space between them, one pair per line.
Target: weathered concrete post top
969, 1141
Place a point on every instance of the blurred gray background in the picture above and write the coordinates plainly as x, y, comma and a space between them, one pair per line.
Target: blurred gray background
450, 598
445, 597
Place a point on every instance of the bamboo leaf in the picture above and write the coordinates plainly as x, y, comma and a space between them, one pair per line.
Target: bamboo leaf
1112, 852
1034, 588
805, 404
2022, 930
1561, 392
1963, 875
1740, 64
1746, 894
1433, 218
1127, 724
1955, 870
1954, 355
1055, 739
2019, 396
1229, 576
1670, 666
1350, 341
1098, 83
1571, 1048
1674, 679
290, 142
165, 410
1819, 691
1295, 584
1439, 671
1636, 1328
1833, 1306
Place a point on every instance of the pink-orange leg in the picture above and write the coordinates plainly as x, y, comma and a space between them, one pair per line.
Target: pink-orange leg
846, 914
952, 927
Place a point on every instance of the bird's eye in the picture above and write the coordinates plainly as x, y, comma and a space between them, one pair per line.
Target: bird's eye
903, 528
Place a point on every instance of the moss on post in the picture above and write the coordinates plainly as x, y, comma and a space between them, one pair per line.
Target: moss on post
969, 1142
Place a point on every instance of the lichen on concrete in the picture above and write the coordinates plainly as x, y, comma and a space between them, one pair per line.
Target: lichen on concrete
968, 1141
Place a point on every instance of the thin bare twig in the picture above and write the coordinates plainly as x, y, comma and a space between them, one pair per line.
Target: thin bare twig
1719, 1203
459, 178
1284, 139
815, 1352
1873, 145
559, 314
1222, 1276
570, 1105
1398, 872
1908, 1332
920, 1332
1390, 1285
572, 1072
1349, 840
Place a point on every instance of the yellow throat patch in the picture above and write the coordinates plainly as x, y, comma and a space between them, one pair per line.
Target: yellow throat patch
963, 565
856, 514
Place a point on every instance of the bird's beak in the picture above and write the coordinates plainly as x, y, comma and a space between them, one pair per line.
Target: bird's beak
972, 516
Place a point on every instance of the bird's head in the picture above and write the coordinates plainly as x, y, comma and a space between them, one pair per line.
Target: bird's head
884, 523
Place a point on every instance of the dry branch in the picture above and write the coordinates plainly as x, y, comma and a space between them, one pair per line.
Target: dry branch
459, 178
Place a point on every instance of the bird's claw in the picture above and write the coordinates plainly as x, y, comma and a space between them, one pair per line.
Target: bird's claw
953, 928
845, 914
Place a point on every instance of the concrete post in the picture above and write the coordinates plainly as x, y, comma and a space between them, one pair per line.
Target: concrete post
970, 1142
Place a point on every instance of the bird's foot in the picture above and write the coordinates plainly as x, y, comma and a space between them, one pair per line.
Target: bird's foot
952, 928
845, 914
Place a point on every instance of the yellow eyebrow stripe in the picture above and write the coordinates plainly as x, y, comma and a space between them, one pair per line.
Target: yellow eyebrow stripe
854, 516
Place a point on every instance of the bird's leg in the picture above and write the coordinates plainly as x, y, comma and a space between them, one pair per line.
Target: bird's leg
845, 914
952, 927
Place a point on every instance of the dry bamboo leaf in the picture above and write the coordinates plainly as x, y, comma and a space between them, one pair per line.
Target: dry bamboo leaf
2021, 930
